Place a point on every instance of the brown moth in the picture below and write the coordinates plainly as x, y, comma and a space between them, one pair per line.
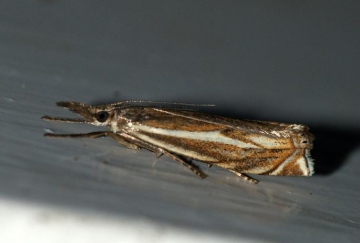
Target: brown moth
241, 146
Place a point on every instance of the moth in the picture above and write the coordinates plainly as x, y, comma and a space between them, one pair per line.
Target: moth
240, 146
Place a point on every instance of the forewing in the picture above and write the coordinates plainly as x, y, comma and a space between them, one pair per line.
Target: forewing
254, 134
243, 146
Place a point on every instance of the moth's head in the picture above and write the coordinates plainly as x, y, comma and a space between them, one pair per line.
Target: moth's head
95, 115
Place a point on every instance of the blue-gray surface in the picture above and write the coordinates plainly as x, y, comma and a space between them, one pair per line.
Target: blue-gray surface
285, 61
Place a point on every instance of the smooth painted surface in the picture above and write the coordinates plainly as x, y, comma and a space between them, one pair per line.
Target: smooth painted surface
290, 62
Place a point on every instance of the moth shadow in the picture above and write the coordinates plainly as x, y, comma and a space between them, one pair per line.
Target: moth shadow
332, 146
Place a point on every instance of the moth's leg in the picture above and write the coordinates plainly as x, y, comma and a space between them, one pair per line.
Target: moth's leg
245, 177
161, 151
78, 135
118, 138
122, 141
187, 164
139, 143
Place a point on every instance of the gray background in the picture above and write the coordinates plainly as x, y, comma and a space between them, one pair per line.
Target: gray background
270, 60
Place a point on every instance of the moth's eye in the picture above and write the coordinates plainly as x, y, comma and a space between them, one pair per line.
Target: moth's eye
102, 116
